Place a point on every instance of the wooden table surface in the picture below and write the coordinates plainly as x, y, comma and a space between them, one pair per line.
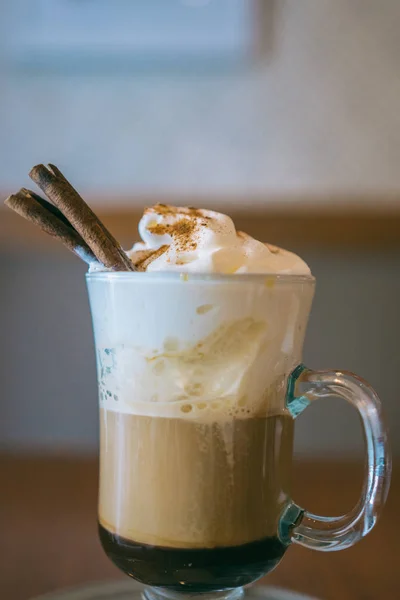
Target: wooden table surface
48, 536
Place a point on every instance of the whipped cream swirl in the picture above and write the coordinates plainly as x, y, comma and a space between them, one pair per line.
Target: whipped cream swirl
204, 241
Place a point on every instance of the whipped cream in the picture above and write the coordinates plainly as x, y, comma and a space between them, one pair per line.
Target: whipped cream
197, 349
204, 241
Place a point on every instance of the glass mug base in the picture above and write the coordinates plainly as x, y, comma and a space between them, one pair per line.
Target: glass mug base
197, 571
131, 590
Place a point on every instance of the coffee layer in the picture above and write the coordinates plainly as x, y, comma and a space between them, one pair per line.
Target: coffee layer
182, 484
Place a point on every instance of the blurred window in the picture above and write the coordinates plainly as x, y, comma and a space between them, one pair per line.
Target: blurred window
139, 32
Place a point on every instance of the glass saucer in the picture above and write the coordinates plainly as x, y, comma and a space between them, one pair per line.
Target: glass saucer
130, 590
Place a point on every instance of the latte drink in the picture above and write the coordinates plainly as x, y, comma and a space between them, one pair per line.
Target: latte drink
195, 438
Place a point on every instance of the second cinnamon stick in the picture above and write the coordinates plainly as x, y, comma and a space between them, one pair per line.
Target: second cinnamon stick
58, 189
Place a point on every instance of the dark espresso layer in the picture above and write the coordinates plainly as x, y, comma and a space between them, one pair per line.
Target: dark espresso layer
197, 570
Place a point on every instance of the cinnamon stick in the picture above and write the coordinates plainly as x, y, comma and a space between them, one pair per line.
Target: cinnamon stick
40, 212
48, 206
103, 245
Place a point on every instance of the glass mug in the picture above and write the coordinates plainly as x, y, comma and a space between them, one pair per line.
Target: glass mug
200, 381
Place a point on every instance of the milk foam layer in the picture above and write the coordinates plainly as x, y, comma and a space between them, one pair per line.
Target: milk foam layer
180, 345
190, 348
204, 241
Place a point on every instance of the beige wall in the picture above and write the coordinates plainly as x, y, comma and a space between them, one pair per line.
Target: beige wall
320, 112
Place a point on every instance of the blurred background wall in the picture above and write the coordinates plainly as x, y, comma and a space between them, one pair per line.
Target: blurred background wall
317, 110
307, 125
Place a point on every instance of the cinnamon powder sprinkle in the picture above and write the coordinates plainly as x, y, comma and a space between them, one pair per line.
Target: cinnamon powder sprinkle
142, 258
182, 232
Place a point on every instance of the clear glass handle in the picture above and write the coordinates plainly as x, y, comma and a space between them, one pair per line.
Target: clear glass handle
336, 533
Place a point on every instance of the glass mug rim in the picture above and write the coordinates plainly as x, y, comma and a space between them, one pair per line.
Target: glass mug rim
178, 277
